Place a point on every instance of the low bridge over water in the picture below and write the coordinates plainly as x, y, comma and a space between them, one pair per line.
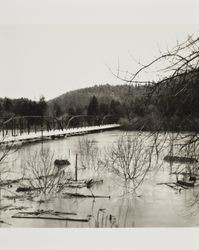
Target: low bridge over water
37, 128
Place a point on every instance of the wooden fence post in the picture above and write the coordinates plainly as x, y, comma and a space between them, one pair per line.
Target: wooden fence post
76, 167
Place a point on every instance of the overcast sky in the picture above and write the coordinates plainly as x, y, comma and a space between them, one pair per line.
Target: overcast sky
46, 51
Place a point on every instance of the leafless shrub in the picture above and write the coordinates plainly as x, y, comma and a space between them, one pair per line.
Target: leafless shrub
6, 149
162, 144
158, 144
42, 175
6, 152
89, 154
130, 159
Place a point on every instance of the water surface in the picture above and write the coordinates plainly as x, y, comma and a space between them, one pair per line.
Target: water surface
152, 206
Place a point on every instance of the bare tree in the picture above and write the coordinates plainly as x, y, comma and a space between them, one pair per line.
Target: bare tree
130, 159
89, 154
176, 71
176, 77
179, 61
5, 151
42, 175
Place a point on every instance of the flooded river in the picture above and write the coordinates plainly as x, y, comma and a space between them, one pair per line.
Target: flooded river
152, 205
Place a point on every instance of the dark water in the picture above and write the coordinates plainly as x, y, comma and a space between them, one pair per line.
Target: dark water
152, 206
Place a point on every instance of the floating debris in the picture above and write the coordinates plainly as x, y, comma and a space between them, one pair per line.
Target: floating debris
92, 182
186, 183
180, 159
82, 183
48, 212
27, 189
50, 218
61, 162
23, 189
48, 215
15, 197
77, 195
75, 184
187, 179
18, 208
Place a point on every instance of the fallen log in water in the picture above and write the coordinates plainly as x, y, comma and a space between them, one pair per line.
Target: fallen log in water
14, 197
49, 212
18, 208
27, 189
82, 183
75, 184
180, 159
18, 216
77, 195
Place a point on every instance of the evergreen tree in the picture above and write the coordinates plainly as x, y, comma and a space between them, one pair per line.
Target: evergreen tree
93, 107
42, 106
7, 104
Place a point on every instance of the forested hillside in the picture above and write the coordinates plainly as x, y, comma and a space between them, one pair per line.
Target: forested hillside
172, 106
100, 100
110, 99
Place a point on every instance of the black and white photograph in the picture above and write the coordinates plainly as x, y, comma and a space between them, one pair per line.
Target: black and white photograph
99, 119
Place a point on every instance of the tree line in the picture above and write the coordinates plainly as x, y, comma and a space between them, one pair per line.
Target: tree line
159, 110
22, 107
